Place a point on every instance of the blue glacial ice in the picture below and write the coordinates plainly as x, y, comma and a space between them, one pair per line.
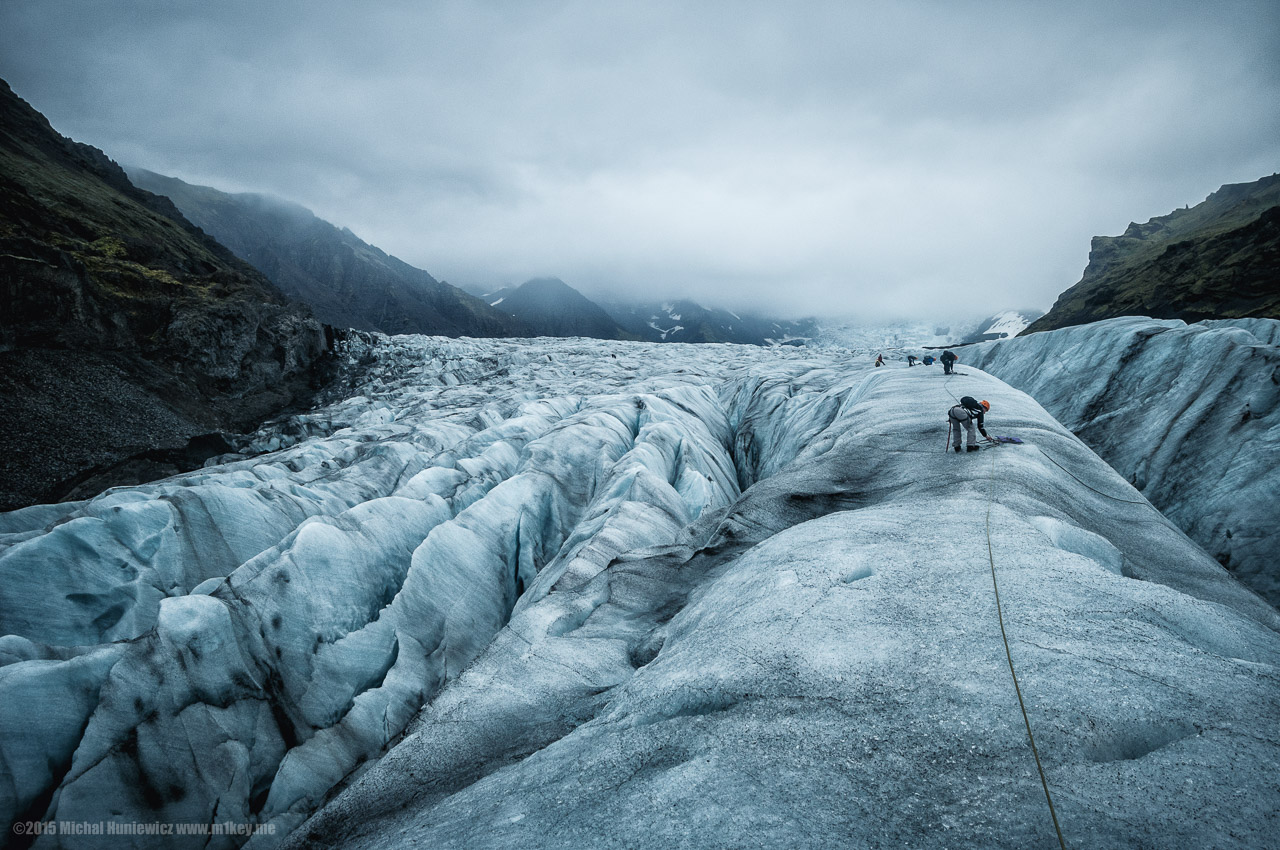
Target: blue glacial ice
1190, 414
576, 593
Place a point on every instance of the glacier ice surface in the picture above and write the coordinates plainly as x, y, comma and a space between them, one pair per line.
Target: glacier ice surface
1190, 414
608, 594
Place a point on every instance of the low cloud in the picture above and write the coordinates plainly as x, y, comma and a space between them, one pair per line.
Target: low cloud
830, 158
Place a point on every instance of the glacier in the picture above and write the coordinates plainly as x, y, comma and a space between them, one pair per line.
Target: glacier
585, 593
1188, 413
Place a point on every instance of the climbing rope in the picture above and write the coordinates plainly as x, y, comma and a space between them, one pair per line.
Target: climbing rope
1087, 486
1004, 636
995, 586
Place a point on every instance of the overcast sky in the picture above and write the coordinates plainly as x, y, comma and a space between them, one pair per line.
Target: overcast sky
911, 158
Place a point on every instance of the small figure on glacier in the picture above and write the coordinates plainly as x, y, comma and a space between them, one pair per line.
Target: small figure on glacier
911, 360
879, 359
968, 413
928, 360
948, 359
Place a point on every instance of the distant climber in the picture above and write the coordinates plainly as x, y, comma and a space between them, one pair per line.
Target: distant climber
948, 360
968, 413
911, 359
879, 359
928, 360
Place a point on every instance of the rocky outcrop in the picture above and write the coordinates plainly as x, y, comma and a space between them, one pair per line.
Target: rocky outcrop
1217, 260
125, 328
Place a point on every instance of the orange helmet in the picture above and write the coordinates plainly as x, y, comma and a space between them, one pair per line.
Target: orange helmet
986, 405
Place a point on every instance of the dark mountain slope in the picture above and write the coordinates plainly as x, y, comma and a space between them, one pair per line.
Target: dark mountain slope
551, 307
688, 321
1218, 259
346, 281
124, 329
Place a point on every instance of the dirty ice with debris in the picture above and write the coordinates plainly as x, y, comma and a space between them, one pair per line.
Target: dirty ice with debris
577, 593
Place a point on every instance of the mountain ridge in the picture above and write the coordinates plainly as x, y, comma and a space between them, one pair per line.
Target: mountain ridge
346, 281
112, 296
1219, 259
550, 307
685, 320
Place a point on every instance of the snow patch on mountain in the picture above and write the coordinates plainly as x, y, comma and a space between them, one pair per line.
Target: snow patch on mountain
665, 332
1007, 324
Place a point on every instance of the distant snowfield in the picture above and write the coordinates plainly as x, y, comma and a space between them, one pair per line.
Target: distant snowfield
913, 337
873, 339
647, 596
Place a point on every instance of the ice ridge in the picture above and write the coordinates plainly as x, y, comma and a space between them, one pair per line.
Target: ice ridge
1187, 413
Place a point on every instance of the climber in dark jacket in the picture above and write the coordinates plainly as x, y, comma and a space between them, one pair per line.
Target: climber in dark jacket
966, 414
948, 360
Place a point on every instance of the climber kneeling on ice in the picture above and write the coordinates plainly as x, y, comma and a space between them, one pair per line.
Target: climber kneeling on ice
967, 413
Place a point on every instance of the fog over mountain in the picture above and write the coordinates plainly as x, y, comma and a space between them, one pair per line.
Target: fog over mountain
821, 159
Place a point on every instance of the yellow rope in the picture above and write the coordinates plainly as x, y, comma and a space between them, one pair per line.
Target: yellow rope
1009, 655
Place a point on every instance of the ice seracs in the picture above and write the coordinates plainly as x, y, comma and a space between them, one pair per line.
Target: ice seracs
1187, 413
342, 579
642, 594
820, 664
